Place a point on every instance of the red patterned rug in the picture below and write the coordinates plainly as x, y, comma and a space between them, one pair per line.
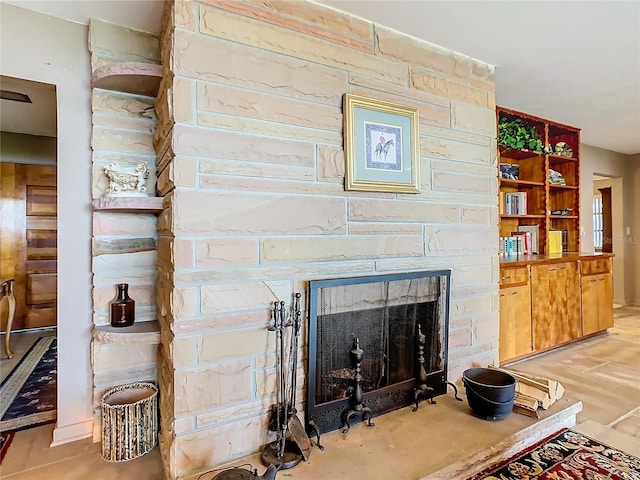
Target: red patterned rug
5, 441
566, 455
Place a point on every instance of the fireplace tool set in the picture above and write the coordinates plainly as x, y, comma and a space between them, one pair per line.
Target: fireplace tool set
292, 443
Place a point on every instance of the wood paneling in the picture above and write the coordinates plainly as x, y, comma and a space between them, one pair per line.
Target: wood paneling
28, 251
514, 276
593, 267
597, 303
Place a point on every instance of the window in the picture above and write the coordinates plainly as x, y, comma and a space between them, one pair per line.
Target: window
597, 223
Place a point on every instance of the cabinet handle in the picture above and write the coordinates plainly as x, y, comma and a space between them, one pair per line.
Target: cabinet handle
513, 293
593, 281
506, 278
562, 268
553, 269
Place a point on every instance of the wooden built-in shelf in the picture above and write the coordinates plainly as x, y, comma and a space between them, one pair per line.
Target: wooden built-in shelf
562, 217
521, 216
130, 77
129, 204
518, 154
557, 159
562, 187
147, 333
518, 183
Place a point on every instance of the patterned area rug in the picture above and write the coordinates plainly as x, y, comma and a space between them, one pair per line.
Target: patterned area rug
28, 394
566, 455
5, 441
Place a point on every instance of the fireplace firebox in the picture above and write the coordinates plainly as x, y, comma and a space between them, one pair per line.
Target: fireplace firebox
384, 315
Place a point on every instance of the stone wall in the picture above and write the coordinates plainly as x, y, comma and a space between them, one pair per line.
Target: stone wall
123, 242
251, 167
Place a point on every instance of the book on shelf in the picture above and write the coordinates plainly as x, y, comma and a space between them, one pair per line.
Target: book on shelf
513, 203
534, 230
519, 243
555, 241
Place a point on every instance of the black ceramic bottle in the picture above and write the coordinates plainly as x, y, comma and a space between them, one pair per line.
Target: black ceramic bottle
123, 308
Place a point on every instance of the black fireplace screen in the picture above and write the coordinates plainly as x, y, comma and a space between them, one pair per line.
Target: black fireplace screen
383, 313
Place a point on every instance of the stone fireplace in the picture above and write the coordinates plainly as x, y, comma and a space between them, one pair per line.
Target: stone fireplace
250, 163
384, 314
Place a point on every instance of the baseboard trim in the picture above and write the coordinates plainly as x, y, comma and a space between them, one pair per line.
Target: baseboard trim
72, 433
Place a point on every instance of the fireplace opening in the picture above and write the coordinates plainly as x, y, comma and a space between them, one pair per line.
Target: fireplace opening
382, 313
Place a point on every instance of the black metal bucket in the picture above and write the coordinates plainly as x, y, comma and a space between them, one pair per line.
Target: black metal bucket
490, 393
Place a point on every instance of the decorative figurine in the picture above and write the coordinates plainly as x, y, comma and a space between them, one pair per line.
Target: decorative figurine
126, 181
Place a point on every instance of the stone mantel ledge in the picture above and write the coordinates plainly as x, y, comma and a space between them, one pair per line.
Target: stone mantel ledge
147, 333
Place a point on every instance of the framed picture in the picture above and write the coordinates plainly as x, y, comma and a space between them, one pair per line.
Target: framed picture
381, 146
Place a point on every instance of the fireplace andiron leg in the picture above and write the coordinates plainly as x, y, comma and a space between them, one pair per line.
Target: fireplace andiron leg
316, 432
422, 389
357, 409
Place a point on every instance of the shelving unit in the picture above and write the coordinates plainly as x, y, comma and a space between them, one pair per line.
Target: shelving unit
131, 77
542, 196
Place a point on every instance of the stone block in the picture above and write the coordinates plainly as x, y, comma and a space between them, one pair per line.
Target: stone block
256, 69
116, 263
462, 167
184, 172
112, 223
222, 321
184, 96
240, 411
222, 252
470, 307
463, 240
478, 215
184, 253
474, 119
110, 357
205, 388
262, 35
459, 338
184, 352
184, 424
205, 142
143, 125
117, 140
120, 104
453, 150
249, 214
104, 295
411, 94
398, 211
460, 182
122, 43
486, 329
255, 170
248, 183
457, 136
235, 343
405, 48
185, 14
185, 302
471, 274
104, 245
237, 297
331, 163
374, 228
199, 450
267, 107
323, 249
242, 124
440, 86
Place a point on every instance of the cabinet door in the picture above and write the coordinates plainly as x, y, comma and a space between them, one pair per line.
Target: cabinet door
555, 297
515, 322
590, 309
605, 301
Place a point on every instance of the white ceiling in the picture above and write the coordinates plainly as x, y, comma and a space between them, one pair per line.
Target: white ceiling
576, 63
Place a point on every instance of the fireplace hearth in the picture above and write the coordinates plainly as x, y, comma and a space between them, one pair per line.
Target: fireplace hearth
399, 321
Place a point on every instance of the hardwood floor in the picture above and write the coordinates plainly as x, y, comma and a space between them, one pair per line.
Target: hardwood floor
602, 372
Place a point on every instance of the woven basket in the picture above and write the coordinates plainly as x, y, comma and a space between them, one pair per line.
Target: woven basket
129, 421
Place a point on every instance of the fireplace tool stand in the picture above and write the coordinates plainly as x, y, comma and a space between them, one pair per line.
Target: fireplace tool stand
357, 408
292, 444
422, 389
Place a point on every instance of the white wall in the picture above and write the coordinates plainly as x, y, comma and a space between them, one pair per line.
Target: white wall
45, 49
30, 149
598, 161
632, 199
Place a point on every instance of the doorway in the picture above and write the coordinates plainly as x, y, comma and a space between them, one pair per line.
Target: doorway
29, 248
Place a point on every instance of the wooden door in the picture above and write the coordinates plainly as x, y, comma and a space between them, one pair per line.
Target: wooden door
28, 252
515, 322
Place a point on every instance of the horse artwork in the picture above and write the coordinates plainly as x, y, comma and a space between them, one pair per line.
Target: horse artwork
382, 149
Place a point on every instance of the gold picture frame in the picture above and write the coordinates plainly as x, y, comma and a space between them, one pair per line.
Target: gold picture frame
381, 146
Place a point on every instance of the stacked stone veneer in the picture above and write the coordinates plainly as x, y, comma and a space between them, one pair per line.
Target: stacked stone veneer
251, 166
123, 244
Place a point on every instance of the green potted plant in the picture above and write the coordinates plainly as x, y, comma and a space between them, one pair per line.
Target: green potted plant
517, 135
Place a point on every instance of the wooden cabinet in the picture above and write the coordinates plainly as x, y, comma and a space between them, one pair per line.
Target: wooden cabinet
596, 286
515, 313
546, 184
555, 305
